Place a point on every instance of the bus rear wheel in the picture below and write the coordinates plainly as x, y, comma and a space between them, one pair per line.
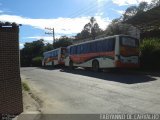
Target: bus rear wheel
95, 66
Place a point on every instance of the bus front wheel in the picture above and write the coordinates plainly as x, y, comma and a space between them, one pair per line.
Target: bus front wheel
95, 66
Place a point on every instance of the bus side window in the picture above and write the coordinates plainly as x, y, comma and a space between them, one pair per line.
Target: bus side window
79, 49
53, 53
56, 53
50, 55
68, 51
74, 50
71, 50
99, 46
103, 45
93, 47
112, 44
109, 45
82, 48
87, 47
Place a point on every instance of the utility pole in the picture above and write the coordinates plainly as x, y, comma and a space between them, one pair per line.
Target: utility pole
51, 33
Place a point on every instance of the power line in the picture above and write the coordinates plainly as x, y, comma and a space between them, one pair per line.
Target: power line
87, 10
76, 14
51, 33
83, 10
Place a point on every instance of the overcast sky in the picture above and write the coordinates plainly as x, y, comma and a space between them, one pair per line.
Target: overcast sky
68, 17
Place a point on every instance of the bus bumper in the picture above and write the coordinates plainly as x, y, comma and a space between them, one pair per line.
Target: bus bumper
120, 64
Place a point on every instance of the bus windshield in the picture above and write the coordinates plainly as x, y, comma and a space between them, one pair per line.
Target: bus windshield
129, 42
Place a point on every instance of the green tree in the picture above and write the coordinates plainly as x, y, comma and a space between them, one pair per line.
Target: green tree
30, 51
142, 7
63, 41
37, 61
117, 20
116, 27
154, 3
47, 47
90, 29
78, 36
150, 53
93, 28
85, 34
130, 12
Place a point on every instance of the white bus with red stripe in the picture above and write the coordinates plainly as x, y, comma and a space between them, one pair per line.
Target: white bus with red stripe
54, 57
119, 51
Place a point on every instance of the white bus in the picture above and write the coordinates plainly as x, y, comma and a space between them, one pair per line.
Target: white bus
54, 57
119, 51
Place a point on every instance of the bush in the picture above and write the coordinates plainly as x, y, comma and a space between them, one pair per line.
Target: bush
150, 53
37, 61
25, 86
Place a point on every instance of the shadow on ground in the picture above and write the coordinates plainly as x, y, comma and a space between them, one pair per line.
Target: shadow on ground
53, 68
122, 76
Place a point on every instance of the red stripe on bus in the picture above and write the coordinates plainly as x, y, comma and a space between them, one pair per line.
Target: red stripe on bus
51, 59
84, 57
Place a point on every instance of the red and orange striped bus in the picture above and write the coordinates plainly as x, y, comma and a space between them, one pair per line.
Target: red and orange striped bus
119, 51
54, 57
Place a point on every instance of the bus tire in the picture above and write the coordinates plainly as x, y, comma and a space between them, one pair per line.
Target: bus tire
95, 65
87, 68
71, 67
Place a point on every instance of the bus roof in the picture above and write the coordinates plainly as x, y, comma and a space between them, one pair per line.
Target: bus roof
100, 39
53, 50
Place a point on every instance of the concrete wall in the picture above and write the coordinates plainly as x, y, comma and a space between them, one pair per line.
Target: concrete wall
10, 82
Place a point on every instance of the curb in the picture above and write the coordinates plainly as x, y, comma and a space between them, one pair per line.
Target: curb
33, 115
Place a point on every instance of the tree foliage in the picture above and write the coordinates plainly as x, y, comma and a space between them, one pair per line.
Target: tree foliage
116, 27
150, 53
32, 53
37, 61
130, 12
142, 7
47, 47
90, 29
154, 3
63, 41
